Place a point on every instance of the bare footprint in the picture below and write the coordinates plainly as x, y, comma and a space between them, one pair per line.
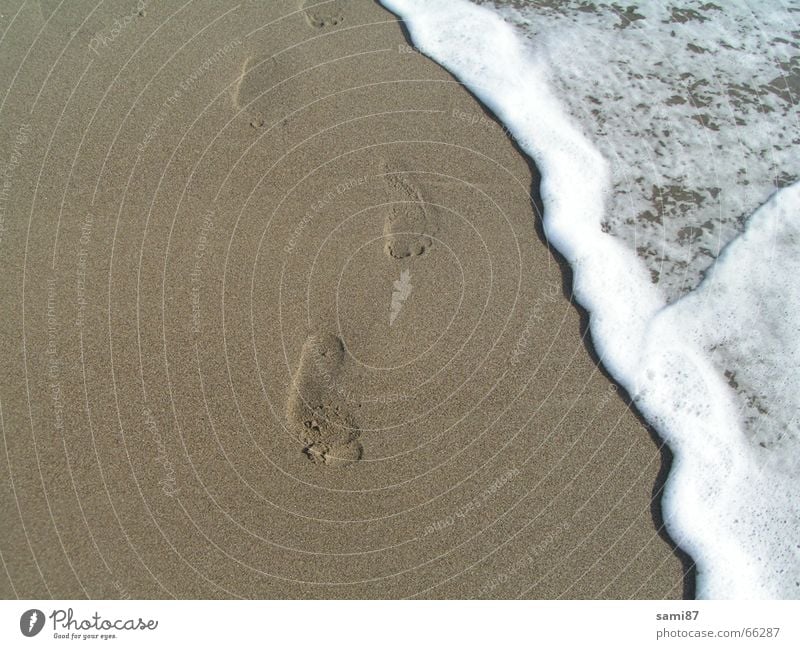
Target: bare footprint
248, 93
321, 14
410, 226
315, 412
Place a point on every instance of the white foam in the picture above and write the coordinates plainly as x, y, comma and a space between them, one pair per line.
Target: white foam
720, 378
692, 105
716, 371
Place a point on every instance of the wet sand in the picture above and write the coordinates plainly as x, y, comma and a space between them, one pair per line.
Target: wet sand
279, 322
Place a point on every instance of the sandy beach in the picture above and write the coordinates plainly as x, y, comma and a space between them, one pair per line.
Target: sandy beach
279, 321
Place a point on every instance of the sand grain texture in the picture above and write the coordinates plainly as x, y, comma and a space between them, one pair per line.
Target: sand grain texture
278, 321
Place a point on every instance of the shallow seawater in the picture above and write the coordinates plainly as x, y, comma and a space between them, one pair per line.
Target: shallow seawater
667, 137
694, 105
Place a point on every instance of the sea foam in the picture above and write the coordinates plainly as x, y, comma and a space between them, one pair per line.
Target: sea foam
708, 345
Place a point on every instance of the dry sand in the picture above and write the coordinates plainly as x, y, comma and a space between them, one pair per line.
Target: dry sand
279, 322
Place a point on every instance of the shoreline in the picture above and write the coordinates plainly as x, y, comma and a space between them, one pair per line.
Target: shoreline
430, 279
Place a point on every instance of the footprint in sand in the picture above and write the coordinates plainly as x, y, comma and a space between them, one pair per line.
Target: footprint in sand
409, 227
250, 93
324, 14
315, 413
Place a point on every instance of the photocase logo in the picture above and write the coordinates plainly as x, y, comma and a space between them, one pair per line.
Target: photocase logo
31, 622
402, 289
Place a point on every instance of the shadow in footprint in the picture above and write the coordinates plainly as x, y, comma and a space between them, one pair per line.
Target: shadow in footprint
319, 418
